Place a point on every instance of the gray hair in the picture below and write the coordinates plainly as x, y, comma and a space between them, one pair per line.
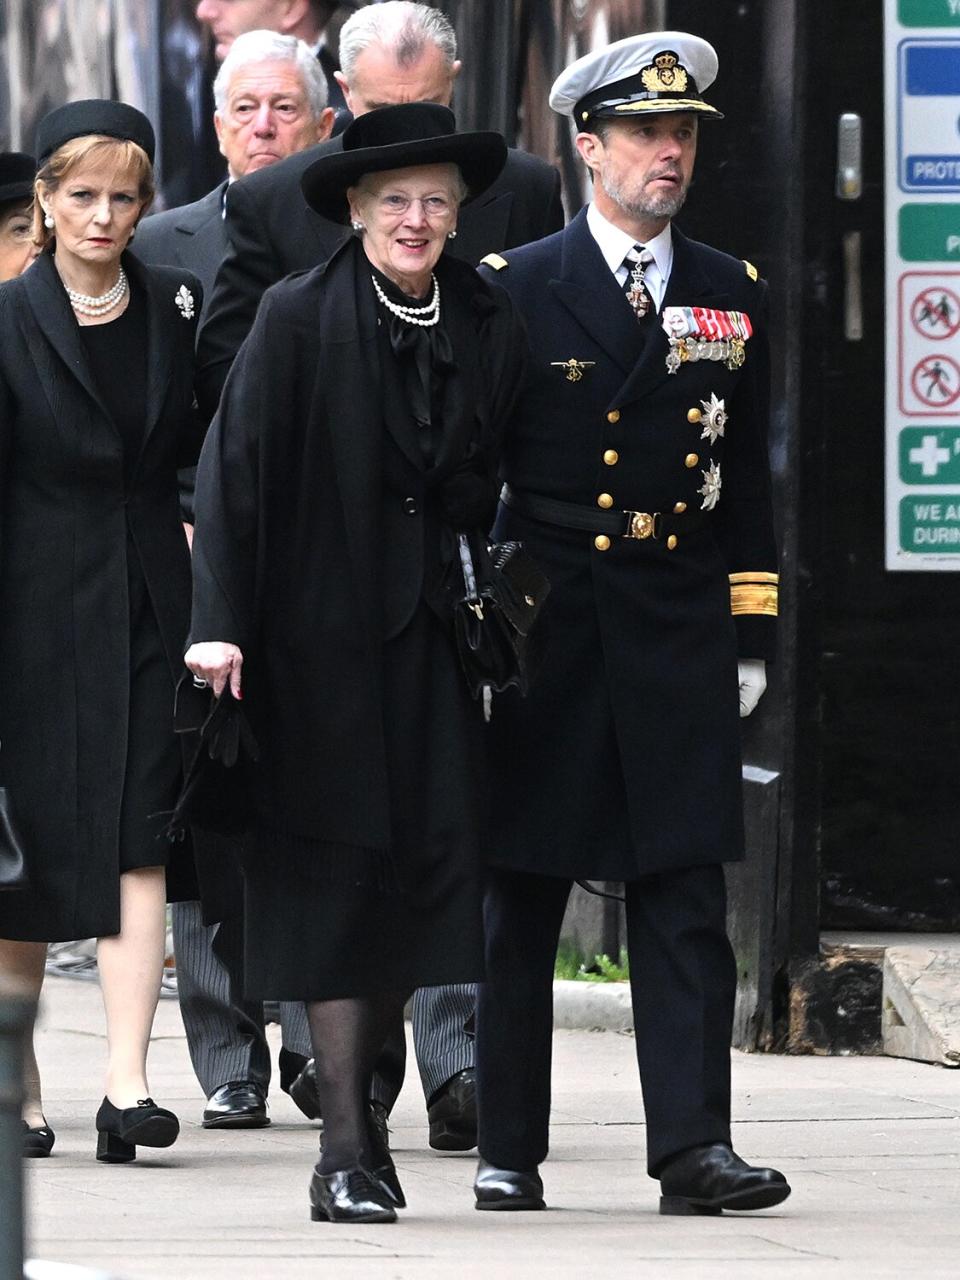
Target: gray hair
403, 28
270, 46
369, 184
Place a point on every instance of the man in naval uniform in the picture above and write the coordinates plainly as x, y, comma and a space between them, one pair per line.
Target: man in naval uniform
637, 476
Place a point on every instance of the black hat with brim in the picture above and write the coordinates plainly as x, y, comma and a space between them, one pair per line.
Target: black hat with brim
17, 172
92, 117
401, 137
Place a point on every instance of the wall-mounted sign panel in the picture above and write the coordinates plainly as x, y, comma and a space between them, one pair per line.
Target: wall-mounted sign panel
922, 182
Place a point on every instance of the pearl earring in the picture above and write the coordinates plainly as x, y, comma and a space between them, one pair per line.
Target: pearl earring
132, 234
452, 235
357, 226
48, 221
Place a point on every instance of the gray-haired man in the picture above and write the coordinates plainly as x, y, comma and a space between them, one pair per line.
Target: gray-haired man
271, 101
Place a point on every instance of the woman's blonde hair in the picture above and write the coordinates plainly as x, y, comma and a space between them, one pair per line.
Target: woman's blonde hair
125, 157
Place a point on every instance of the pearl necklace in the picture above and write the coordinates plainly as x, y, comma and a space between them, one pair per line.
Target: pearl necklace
425, 316
85, 305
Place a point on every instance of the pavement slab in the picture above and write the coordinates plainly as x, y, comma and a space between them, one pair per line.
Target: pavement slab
871, 1147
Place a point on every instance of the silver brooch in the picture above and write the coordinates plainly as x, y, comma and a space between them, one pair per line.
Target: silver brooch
184, 300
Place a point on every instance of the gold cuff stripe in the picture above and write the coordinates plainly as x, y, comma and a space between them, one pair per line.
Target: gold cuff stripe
753, 598
756, 576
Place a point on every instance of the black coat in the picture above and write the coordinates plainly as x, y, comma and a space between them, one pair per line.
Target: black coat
272, 232
298, 557
625, 759
192, 236
64, 622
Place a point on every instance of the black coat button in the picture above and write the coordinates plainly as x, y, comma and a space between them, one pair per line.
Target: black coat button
410, 506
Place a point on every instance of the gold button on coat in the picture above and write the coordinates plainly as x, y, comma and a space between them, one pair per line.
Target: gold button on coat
611, 457
671, 542
679, 508
694, 415
605, 501
613, 415
602, 542
691, 460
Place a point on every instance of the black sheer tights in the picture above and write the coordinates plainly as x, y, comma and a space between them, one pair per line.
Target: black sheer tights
347, 1037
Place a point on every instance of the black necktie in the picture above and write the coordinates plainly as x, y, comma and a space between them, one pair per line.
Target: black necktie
636, 261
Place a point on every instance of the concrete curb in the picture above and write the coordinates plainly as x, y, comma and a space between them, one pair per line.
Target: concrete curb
592, 1006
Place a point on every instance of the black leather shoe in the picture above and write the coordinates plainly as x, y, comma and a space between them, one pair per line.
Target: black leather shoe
452, 1112
238, 1104
349, 1195
507, 1188
378, 1147
303, 1090
120, 1132
37, 1142
707, 1180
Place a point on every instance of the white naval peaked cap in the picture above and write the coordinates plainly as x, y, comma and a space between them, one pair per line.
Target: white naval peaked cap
648, 74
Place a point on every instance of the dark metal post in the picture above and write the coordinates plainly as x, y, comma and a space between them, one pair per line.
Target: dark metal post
15, 1014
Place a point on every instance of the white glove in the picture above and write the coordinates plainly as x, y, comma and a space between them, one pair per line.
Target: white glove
753, 680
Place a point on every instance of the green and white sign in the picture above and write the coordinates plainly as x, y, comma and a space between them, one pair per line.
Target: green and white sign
922, 183
930, 523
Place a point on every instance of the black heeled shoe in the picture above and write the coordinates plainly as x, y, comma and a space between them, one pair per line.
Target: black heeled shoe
349, 1195
37, 1142
120, 1132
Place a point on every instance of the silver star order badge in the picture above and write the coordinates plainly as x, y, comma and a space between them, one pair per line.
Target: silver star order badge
184, 300
714, 418
710, 489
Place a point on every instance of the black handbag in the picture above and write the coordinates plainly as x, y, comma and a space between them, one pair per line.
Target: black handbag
494, 622
217, 793
13, 869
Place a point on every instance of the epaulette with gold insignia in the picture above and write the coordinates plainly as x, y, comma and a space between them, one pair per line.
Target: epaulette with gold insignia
754, 593
494, 260
752, 271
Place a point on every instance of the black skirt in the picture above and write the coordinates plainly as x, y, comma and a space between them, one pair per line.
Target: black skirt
321, 937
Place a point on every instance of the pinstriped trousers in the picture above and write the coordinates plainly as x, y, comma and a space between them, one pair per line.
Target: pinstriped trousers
225, 1032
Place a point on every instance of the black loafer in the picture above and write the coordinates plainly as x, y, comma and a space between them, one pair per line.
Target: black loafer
120, 1132
378, 1148
452, 1112
507, 1188
238, 1104
37, 1142
303, 1090
707, 1180
349, 1195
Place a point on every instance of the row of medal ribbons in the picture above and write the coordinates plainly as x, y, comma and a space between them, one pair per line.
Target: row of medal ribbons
704, 322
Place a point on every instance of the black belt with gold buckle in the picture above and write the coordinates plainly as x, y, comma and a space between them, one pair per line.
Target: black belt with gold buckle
617, 524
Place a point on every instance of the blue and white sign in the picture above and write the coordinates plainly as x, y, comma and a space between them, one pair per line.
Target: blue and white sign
928, 109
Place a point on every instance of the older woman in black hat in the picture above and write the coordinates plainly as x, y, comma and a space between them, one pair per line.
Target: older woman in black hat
96, 414
358, 432
17, 248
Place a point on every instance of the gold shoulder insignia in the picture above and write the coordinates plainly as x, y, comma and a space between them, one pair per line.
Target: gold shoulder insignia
752, 271
494, 260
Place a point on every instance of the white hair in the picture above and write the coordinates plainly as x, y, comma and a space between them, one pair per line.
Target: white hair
401, 27
270, 46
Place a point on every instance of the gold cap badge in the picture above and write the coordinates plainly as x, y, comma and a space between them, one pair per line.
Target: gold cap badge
665, 74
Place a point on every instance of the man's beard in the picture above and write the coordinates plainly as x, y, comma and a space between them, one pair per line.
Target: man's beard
665, 205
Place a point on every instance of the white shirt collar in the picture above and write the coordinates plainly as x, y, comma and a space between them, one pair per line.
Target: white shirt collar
614, 243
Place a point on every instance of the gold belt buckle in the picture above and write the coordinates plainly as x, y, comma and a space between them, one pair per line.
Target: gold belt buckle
643, 524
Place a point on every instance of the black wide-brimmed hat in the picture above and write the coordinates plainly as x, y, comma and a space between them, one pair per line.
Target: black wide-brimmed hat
401, 137
94, 116
17, 172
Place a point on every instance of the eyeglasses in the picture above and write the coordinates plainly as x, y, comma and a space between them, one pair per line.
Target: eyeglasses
395, 205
